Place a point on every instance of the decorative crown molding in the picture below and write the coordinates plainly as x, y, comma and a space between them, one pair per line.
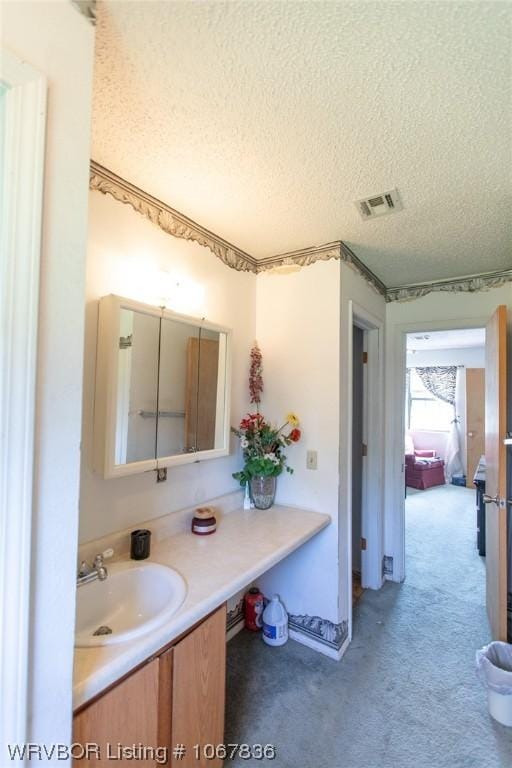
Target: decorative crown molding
87, 8
302, 257
171, 221
467, 284
178, 225
335, 250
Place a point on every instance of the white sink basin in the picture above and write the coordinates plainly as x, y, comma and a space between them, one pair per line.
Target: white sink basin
134, 599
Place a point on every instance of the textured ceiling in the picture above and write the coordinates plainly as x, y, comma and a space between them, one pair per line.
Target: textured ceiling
466, 337
264, 121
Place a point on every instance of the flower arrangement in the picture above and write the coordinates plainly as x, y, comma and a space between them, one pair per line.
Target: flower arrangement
263, 444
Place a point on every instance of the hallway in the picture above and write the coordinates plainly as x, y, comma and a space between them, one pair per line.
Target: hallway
405, 694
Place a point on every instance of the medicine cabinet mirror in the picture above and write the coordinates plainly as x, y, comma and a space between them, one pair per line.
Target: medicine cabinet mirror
162, 389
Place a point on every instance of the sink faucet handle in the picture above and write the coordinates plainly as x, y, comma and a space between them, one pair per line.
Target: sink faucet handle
101, 556
99, 564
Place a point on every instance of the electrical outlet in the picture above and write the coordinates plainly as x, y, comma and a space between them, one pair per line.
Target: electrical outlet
311, 460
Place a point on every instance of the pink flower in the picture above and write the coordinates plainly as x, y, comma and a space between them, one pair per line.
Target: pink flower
252, 421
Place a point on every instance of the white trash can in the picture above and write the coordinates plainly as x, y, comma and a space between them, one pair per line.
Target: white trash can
494, 667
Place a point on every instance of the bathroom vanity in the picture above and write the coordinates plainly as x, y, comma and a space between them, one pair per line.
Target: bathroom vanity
175, 698
150, 658
167, 687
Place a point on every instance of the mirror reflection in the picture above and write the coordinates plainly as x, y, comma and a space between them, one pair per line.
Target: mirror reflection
137, 386
173, 418
191, 389
171, 380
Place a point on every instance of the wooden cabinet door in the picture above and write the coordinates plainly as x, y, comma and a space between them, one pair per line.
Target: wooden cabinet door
126, 715
165, 682
198, 691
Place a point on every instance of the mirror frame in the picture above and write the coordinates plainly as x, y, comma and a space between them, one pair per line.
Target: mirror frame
105, 399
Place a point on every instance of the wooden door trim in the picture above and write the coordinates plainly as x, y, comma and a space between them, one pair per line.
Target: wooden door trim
21, 215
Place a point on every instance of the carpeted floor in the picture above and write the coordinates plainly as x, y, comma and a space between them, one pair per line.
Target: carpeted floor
405, 695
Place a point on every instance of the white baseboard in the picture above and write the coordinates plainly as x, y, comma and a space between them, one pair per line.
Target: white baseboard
301, 638
320, 647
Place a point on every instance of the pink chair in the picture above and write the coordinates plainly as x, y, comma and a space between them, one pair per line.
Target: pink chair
423, 469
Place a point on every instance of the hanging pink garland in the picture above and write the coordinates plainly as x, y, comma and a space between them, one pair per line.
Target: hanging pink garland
256, 375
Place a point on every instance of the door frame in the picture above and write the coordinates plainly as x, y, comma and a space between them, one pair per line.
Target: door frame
21, 204
373, 473
396, 500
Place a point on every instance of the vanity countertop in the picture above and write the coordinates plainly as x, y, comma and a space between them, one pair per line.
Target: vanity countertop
246, 544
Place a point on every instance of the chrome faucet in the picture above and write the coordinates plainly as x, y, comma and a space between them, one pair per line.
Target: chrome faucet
88, 573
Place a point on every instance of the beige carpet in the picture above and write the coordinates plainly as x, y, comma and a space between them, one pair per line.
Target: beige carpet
406, 694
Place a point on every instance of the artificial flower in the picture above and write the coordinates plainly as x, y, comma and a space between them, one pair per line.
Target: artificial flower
262, 444
252, 421
294, 435
255, 375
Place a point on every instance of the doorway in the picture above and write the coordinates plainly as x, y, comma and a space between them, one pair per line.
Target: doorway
368, 478
444, 419
359, 360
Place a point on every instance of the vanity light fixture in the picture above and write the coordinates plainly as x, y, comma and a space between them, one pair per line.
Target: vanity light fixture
181, 294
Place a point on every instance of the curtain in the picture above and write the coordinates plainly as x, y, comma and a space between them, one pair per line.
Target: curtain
454, 464
460, 411
444, 382
407, 398
440, 380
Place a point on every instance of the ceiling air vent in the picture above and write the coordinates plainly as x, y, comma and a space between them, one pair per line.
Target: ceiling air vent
379, 205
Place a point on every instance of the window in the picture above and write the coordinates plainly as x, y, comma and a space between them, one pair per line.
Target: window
423, 411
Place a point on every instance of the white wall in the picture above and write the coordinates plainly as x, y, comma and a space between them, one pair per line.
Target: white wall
126, 254
304, 327
298, 333
470, 357
58, 41
430, 440
436, 311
